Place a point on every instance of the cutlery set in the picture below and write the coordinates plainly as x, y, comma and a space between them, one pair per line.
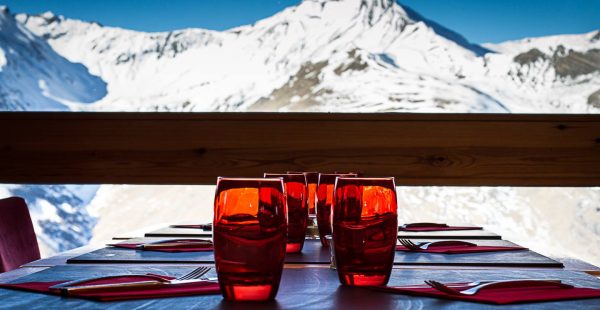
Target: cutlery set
476, 287
425, 245
180, 243
78, 286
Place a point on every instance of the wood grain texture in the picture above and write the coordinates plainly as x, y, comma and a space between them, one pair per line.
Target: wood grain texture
195, 148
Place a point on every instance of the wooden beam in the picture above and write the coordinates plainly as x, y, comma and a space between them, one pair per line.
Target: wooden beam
195, 148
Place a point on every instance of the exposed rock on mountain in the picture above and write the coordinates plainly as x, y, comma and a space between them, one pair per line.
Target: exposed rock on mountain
594, 99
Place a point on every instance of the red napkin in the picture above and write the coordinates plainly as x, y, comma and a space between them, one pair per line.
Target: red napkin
173, 249
113, 294
501, 296
435, 227
461, 249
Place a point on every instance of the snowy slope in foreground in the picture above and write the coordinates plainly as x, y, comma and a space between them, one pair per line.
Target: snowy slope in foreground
59, 213
345, 55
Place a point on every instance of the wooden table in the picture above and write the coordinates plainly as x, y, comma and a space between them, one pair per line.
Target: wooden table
305, 284
300, 288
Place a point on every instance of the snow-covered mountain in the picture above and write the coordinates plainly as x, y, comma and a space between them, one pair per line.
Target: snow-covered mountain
328, 55
34, 77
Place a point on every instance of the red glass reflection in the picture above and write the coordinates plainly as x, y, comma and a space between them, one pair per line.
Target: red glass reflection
324, 201
365, 228
249, 237
297, 212
311, 182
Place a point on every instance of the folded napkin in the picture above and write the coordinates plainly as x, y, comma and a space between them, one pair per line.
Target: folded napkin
207, 227
173, 246
123, 293
500, 296
434, 227
461, 249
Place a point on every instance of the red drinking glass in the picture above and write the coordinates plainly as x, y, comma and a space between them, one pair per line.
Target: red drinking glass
324, 201
249, 236
365, 228
311, 182
297, 213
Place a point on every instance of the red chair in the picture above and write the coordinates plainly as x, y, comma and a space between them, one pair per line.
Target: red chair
18, 244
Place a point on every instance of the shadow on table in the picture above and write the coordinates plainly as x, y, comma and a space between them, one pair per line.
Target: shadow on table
235, 305
347, 297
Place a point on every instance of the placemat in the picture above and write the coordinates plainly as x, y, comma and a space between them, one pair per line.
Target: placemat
314, 253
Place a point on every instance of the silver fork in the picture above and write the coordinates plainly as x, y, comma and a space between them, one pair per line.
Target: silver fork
425, 245
194, 274
409, 244
72, 286
487, 284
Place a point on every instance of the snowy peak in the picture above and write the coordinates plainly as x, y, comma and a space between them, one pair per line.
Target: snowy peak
374, 10
342, 13
353, 4
50, 17
4, 10
6, 18
369, 12
385, 18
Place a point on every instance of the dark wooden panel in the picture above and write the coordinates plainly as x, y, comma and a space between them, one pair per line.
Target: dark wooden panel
300, 288
195, 148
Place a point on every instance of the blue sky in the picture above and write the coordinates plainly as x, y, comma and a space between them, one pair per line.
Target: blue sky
478, 20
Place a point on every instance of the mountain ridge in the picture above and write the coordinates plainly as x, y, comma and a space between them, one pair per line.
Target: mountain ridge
380, 56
